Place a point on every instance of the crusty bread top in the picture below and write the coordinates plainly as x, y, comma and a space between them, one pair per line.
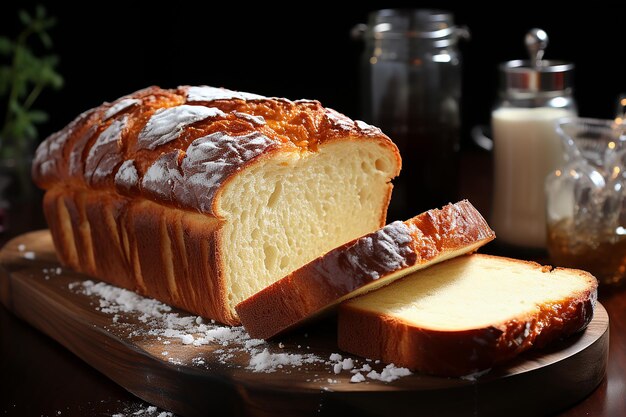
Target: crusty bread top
180, 146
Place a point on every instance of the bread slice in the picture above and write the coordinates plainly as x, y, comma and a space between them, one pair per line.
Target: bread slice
202, 196
467, 314
362, 265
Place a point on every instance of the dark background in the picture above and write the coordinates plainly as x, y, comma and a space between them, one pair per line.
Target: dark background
109, 49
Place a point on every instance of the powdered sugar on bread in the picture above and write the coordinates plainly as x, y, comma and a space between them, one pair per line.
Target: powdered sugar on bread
167, 124
389, 248
205, 93
194, 179
127, 177
120, 106
104, 155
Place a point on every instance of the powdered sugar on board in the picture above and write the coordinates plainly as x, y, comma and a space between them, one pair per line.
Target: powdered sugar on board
190, 340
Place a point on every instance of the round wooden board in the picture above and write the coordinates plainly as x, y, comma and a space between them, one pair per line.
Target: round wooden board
198, 380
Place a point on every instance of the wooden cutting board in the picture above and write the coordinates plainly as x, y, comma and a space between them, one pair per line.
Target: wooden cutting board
217, 375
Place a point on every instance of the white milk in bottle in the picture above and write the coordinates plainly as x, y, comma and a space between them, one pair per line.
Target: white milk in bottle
526, 149
534, 94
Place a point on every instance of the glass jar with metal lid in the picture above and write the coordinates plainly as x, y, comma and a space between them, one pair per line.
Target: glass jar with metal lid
411, 88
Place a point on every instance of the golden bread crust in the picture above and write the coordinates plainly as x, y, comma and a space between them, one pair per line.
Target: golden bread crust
179, 147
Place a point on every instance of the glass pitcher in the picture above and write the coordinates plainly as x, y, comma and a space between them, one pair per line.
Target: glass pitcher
586, 199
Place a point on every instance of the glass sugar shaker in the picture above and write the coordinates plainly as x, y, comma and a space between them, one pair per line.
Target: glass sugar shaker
533, 95
411, 87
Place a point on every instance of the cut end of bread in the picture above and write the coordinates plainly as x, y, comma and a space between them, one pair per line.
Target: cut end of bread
467, 314
281, 213
362, 265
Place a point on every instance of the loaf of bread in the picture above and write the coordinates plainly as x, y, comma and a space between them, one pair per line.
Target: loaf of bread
467, 314
362, 265
201, 196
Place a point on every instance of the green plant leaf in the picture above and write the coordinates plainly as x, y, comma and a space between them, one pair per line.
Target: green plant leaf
23, 78
6, 46
5, 79
40, 11
37, 116
46, 40
15, 107
24, 17
29, 131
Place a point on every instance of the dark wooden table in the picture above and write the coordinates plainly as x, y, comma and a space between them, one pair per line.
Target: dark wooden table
39, 377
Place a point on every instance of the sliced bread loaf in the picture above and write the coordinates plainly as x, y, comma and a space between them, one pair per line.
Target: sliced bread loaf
362, 265
467, 314
202, 196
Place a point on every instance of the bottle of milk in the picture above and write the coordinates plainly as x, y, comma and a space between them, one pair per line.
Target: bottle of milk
534, 94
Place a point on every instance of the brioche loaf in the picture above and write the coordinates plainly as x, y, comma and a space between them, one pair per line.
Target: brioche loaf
362, 265
467, 314
201, 196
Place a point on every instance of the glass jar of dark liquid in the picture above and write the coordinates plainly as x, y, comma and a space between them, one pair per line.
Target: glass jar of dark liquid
411, 85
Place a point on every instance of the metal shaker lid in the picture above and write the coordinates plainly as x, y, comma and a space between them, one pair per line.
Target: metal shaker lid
536, 74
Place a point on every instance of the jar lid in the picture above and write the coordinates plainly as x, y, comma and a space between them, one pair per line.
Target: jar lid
536, 74
427, 24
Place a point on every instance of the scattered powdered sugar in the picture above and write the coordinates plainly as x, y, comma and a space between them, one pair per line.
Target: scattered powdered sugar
390, 373
167, 124
206, 93
356, 378
347, 364
142, 410
115, 300
119, 107
475, 375
228, 344
21, 247
190, 330
265, 361
127, 176
47, 272
29, 255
